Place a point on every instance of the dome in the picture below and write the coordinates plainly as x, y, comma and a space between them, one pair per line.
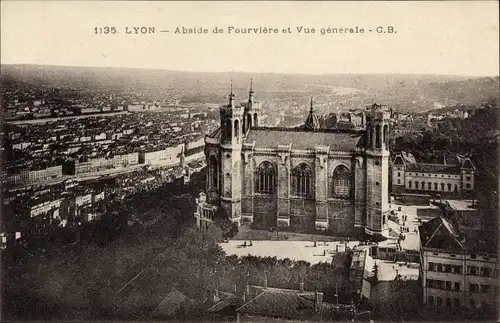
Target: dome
312, 121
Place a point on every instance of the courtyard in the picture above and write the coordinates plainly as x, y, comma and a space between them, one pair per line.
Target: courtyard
323, 252
294, 250
315, 248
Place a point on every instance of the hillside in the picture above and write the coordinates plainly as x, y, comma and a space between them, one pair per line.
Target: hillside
395, 89
467, 92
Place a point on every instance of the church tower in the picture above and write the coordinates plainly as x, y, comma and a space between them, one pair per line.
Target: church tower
312, 122
231, 117
251, 111
377, 171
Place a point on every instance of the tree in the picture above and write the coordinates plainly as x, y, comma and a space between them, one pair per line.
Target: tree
229, 228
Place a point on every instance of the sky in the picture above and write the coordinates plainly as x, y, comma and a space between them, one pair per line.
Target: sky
459, 38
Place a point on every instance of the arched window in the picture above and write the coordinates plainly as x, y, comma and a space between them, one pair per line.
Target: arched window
302, 180
386, 136
449, 187
213, 172
416, 184
442, 186
423, 185
435, 186
409, 184
237, 129
249, 122
377, 137
255, 120
429, 186
341, 181
456, 188
266, 178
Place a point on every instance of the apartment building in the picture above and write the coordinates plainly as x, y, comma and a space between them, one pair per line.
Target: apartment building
457, 271
165, 156
31, 176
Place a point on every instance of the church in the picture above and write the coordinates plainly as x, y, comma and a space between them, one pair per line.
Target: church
303, 178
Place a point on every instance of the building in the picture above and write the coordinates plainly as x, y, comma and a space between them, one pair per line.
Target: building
263, 301
93, 165
46, 173
25, 176
46, 207
454, 178
303, 178
165, 156
359, 275
205, 212
456, 271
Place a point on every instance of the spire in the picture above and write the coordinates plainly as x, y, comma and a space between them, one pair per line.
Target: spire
312, 121
231, 95
250, 93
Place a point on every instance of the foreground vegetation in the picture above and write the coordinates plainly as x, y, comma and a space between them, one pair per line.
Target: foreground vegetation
477, 137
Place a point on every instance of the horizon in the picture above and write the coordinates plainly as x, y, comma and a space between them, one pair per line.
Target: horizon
250, 72
431, 38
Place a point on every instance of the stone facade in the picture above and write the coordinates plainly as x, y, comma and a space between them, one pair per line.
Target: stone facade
303, 178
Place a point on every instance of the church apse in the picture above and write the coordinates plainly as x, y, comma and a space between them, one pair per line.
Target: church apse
303, 178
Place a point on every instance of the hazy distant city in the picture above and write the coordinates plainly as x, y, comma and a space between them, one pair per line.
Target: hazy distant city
135, 194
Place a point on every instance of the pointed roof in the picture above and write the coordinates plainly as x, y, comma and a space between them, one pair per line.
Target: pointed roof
231, 95
467, 164
404, 157
438, 233
312, 121
227, 300
170, 304
250, 93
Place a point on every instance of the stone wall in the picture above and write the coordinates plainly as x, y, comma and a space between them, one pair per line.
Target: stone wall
341, 216
265, 210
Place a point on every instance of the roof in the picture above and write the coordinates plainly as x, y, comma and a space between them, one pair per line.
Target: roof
404, 157
312, 122
169, 305
216, 133
467, 164
432, 168
302, 139
438, 233
284, 303
228, 301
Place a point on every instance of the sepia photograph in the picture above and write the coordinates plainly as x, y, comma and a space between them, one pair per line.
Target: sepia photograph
249, 161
